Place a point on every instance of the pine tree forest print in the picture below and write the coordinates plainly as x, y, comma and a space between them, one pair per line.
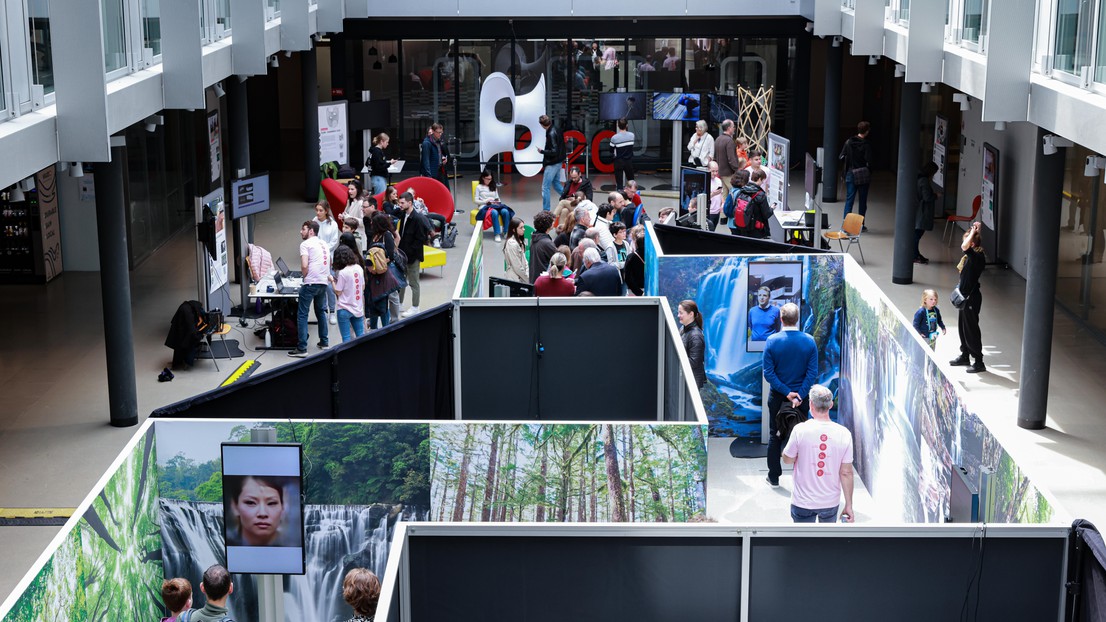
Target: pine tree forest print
568, 473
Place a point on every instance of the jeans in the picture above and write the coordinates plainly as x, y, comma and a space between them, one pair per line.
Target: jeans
395, 304
384, 319
314, 293
803, 515
379, 184
412, 282
550, 179
851, 192
775, 448
502, 213
712, 220
331, 297
347, 320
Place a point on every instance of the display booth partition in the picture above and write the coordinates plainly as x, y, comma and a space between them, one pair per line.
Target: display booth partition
642, 572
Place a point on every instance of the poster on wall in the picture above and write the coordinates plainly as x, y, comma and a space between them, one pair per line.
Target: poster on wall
217, 266
940, 148
333, 133
772, 284
779, 149
213, 143
990, 186
46, 184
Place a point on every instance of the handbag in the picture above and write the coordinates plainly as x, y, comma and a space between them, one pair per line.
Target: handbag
488, 216
862, 176
957, 298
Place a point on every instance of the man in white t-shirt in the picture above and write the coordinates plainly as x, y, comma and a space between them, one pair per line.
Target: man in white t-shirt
822, 452
315, 266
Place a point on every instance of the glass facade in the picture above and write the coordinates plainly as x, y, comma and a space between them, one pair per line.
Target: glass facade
159, 182
1081, 274
42, 64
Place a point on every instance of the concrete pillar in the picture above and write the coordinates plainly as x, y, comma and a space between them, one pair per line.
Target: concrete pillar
115, 290
832, 123
309, 88
906, 203
1040, 286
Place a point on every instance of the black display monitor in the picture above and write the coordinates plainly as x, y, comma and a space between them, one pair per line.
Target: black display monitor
676, 106
263, 507
663, 80
375, 114
615, 106
723, 107
518, 290
702, 79
249, 196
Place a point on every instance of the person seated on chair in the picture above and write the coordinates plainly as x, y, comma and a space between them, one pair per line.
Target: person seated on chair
488, 197
437, 221
577, 183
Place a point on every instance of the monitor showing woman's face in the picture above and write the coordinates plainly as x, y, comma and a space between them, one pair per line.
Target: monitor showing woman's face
259, 508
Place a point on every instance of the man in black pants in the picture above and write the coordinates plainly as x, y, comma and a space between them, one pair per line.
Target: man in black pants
791, 368
971, 268
622, 144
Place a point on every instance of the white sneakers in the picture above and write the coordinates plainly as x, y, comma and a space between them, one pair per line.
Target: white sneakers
498, 238
437, 243
333, 317
409, 312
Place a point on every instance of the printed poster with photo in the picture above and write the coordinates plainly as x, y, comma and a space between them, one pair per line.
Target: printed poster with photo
214, 144
218, 266
333, 133
940, 148
779, 150
990, 185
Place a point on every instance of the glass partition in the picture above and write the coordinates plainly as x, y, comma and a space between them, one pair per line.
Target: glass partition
1081, 271
42, 64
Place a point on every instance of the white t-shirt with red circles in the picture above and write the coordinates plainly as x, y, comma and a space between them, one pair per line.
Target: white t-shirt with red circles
819, 448
351, 284
318, 260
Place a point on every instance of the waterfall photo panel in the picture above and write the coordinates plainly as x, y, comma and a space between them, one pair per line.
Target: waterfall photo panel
568, 473
721, 287
359, 480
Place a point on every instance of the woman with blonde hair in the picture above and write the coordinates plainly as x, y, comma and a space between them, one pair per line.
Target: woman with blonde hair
553, 283
361, 590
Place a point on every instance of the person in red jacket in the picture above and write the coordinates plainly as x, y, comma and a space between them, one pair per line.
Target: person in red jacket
552, 282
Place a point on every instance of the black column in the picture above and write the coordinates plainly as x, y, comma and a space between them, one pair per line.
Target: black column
115, 290
309, 88
799, 127
832, 123
906, 204
1040, 286
238, 129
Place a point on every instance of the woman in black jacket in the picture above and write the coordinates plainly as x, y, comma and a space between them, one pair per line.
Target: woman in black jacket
378, 163
971, 268
692, 334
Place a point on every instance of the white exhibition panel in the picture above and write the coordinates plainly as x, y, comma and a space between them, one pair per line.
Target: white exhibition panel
868, 27
80, 82
925, 44
1009, 60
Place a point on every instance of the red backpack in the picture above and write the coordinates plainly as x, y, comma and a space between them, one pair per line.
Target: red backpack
743, 220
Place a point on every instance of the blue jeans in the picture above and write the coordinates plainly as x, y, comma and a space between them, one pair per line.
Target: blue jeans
384, 318
851, 192
347, 320
331, 297
803, 515
312, 293
503, 214
379, 184
550, 179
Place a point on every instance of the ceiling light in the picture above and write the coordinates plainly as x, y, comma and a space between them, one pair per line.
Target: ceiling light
274, 62
873, 59
15, 195
1054, 142
927, 87
27, 184
1000, 126
963, 100
377, 64
837, 41
900, 70
810, 26
218, 87
373, 52
76, 170
1095, 163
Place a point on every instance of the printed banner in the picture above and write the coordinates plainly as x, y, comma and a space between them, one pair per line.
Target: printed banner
940, 148
990, 186
333, 133
779, 153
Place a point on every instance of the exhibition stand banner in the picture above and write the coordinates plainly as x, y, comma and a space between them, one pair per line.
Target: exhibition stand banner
910, 424
105, 564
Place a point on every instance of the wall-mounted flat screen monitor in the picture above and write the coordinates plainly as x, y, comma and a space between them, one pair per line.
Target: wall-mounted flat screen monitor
375, 114
702, 79
514, 288
263, 507
249, 195
615, 106
723, 107
772, 284
676, 106
663, 80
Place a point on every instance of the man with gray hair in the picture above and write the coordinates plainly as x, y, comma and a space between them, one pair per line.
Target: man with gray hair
583, 221
599, 278
725, 153
790, 365
822, 452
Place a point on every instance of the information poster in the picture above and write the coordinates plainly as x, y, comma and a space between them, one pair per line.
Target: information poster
990, 185
779, 149
213, 142
46, 183
218, 265
940, 148
333, 133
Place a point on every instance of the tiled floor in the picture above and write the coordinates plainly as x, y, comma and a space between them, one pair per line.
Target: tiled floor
55, 441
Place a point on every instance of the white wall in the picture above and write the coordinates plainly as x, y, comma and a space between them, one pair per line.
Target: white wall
79, 246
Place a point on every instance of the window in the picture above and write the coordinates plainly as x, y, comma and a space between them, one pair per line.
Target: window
849, 4
1100, 59
42, 64
115, 42
898, 11
272, 9
1074, 30
975, 22
151, 26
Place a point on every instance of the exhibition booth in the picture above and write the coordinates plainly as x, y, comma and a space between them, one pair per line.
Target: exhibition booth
496, 411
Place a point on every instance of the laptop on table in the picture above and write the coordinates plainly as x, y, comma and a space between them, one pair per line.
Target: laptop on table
283, 269
281, 288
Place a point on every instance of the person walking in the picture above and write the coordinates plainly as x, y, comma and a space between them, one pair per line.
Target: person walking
971, 267
790, 364
414, 231
856, 158
622, 146
552, 157
725, 153
925, 198
822, 452
433, 155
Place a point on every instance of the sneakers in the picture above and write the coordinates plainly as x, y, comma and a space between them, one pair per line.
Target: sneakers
333, 317
298, 354
864, 228
437, 243
978, 368
409, 312
773, 484
323, 346
498, 238
960, 361
921, 260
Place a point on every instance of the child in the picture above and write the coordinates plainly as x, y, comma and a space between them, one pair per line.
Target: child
177, 596
928, 318
350, 225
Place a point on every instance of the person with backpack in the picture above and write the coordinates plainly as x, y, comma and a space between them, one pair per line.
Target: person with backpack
822, 452
856, 158
747, 208
790, 364
217, 587
382, 310
177, 596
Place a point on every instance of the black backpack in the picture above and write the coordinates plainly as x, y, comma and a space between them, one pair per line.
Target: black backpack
786, 419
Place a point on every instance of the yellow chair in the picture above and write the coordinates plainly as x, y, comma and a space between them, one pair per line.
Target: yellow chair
850, 230
221, 332
432, 258
472, 214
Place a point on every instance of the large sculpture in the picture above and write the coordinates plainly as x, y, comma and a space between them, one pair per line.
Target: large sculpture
497, 136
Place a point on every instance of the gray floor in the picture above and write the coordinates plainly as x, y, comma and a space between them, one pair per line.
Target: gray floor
55, 441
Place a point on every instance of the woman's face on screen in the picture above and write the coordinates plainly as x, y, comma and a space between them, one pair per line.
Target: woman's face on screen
259, 509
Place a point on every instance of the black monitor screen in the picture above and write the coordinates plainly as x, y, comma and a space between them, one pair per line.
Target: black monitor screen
370, 115
250, 195
517, 290
702, 79
676, 106
615, 106
663, 80
723, 107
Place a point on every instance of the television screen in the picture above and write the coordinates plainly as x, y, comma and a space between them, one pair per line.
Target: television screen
250, 195
516, 289
723, 107
772, 284
693, 182
262, 507
676, 106
663, 80
374, 114
702, 79
615, 106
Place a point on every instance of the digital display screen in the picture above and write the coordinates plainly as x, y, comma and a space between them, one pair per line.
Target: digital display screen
723, 107
250, 195
263, 508
676, 106
615, 106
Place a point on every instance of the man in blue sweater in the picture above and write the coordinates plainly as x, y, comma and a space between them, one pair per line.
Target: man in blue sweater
791, 368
